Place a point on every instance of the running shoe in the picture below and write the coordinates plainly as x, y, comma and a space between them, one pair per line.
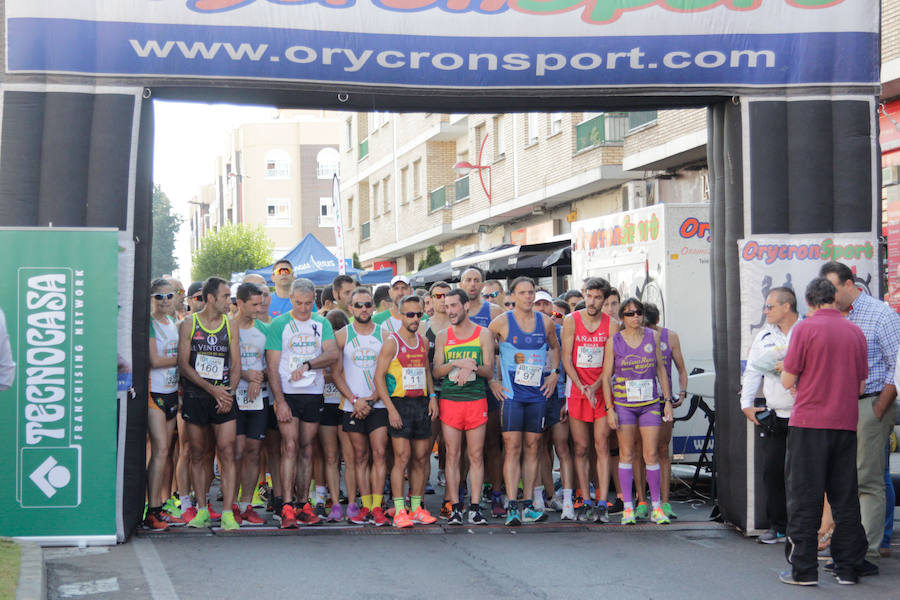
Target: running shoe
188, 515
154, 523
771, 536
446, 509
667, 508
513, 517
588, 513
213, 515
288, 517
171, 507
642, 511
402, 520
422, 516
306, 516
258, 500
617, 507
579, 500
475, 516
659, 517
456, 517
556, 504
202, 518
229, 520
353, 510
601, 514
336, 514
498, 511
236, 511
788, 577
360, 518
171, 519
378, 517
441, 478
251, 517
533, 515
568, 513
628, 516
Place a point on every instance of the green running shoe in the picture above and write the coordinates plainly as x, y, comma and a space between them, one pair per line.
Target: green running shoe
202, 519
659, 517
642, 511
513, 518
628, 516
228, 520
667, 508
172, 508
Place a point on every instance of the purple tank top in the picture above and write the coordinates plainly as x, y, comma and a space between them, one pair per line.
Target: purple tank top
666, 351
634, 381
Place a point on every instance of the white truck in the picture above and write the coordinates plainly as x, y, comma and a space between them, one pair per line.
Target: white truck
660, 254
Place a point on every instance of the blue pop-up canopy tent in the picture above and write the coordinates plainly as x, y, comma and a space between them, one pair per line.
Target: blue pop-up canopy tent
311, 259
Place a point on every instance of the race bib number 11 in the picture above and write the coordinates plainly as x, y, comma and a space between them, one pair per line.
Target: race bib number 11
413, 378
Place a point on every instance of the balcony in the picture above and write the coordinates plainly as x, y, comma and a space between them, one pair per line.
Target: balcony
366, 231
462, 188
638, 119
437, 199
363, 148
602, 129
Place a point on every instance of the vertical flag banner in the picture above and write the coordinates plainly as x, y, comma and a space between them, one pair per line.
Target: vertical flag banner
338, 224
58, 419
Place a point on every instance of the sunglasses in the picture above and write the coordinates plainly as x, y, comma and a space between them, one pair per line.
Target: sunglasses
509, 304
491, 295
633, 313
168, 296
283, 271
198, 298
412, 315
770, 306
557, 315
439, 295
363, 304
179, 291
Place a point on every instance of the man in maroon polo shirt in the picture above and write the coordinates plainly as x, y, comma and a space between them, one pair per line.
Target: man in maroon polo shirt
826, 360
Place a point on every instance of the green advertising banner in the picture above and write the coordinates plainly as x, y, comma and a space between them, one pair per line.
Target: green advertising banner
58, 421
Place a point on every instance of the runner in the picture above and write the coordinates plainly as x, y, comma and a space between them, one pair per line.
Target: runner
263, 314
529, 361
389, 320
299, 346
403, 379
283, 276
611, 308
633, 355
163, 403
342, 286
207, 360
492, 292
463, 360
556, 434
194, 298
584, 336
438, 323
178, 306
365, 418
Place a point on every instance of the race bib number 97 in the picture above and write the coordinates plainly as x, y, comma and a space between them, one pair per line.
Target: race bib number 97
528, 375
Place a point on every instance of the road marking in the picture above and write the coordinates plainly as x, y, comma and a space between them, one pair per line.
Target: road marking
57, 553
87, 588
161, 587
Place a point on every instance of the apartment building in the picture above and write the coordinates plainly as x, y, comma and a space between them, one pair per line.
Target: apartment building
277, 174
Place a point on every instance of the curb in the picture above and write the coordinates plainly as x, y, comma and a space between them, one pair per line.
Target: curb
32, 575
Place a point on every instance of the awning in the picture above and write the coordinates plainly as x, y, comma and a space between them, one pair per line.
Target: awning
508, 260
439, 272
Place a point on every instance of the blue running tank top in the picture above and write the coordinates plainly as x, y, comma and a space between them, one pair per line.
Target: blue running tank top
483, 316
523, 360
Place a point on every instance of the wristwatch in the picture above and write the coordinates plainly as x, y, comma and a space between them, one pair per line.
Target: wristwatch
308, 365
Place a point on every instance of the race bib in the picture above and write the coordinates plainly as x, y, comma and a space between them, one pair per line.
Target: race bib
529, 375
297, 362
210, 367
413, 378
172, 376
455, 371
246, 403
589, 357
331, 392
639, 390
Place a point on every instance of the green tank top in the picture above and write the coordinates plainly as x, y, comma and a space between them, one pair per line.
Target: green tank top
455, 349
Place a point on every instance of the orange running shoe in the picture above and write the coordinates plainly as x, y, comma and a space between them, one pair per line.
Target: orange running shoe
422, 516
288, 518
446, 509
402, 520
154, 523
579, 500
378, 517
250, 516
171, 519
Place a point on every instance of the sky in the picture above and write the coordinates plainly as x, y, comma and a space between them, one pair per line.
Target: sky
188, 137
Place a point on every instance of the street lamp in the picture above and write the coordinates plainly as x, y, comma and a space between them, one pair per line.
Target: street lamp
463, 168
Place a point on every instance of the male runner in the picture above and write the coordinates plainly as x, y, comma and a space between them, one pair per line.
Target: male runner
529, 363
283, 276
194, 297
389, 320
403, 381
365, 417
463, 361
492, 292
341, 288
438, 323
584, 338
299, 346
252, 396
178, 307
208, 352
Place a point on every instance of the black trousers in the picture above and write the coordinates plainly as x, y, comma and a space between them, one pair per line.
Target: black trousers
773, 448
819, 462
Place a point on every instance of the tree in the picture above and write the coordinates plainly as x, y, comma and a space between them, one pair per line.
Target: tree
165, 226
432, 257
231, 249
356, 263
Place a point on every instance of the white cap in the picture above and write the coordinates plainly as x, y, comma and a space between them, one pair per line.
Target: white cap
234, 287
399, 278
542, 295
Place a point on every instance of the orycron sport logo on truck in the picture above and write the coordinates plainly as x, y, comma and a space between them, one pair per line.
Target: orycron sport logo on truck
592, 11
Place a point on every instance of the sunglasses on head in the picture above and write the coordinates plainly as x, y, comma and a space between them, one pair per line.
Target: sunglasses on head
633, 313
363, 304
283, 271
168, 296
490, 295
509, 304
412, 315
439, 295
557, 315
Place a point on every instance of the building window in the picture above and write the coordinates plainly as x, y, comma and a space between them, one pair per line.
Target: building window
417, 178
278, 165
278, 212
499, 138
386, 193
404, 185
531, 129
326, 212
328, 163
555, 123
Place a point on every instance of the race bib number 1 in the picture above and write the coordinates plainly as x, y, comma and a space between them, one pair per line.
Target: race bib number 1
246, 403
528, 375
589, 357
639, 390
210, 367
413, 378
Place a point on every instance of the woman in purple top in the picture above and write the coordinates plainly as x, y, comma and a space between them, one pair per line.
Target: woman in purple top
632, 364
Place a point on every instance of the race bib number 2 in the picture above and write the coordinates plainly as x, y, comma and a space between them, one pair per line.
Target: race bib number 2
210, 367
528, 375
639, 390
413, 378
589, 357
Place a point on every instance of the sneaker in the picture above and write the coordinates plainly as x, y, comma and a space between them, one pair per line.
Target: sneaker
497, 509
555, 504
213, 515
306, 516
275, 509
378, 517
429, 489
321, 511
533, 515
581, 512
475, 516
251, 517
258, 499
456, 517
579, 501
188, 515
659, 517
236, 511
642, 511
844, 579
867, 569
230, 520
788, 577
600, 514
353, 510
628, 517
441, 478
288, 517
667, 508
771, 537
422, 516
568, 513
171, 519
360, 518
201, 519
616, 507
446, 509
588, 513
513, 517
171, 507
336, 514
402, 520
154, 523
